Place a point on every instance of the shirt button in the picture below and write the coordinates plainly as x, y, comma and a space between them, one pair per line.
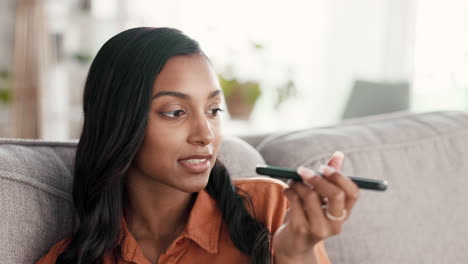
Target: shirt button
180, 242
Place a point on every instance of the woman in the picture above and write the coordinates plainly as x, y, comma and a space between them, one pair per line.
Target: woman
148, 187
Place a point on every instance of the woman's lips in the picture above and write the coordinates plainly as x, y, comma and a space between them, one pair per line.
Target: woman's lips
194, 166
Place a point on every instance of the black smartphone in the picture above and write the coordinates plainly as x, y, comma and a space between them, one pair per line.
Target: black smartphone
287, 173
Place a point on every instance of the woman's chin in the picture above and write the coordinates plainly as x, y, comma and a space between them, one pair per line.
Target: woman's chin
193, 184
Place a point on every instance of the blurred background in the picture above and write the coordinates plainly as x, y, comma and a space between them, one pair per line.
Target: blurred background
283, 65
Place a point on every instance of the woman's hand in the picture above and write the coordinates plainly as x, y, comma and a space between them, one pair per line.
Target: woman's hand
318, 208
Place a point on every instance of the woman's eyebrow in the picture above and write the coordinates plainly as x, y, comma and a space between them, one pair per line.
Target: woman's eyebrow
182, 95
215, 93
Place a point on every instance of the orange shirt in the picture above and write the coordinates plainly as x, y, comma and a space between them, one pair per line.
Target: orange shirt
206, 238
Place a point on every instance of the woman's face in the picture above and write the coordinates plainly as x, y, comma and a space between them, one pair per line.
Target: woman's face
184, 128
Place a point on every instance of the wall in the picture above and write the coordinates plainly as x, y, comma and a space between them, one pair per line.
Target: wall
7, 11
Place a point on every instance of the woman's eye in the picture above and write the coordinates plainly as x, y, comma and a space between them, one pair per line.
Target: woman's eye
215, 111
173, 114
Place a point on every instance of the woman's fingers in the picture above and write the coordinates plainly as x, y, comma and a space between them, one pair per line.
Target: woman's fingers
335, 196
310, 200
336, 162
306, 218
350, 189
296, 214
315, 224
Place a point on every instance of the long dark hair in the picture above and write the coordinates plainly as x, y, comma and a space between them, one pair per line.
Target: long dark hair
116, 103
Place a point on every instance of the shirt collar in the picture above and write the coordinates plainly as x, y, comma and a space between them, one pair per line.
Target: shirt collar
203, 227
204, 223
129, 249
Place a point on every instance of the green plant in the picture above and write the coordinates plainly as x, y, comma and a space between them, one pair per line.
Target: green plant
82, 57
248, 90
241, 95
5, 86
284, 91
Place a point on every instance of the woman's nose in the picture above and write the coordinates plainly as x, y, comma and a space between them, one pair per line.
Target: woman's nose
201, 132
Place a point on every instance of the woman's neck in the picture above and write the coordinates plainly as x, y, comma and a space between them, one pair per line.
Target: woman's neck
156, 211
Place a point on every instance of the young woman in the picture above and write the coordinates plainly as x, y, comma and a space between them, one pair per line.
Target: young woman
148, 187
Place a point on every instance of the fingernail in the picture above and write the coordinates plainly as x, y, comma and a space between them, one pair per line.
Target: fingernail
322, 167
338, 154
305, 172
301, 169
327, 170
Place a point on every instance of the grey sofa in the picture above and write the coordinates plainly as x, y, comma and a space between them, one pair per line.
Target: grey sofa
421, 218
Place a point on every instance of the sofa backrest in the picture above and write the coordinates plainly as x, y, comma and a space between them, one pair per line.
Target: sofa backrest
423, 216
35, 192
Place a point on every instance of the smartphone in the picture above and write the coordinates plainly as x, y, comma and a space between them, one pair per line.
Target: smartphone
280, 172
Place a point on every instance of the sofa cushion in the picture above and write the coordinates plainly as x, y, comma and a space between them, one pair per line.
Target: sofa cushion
35, 195
35, 192
239, 157
422, 216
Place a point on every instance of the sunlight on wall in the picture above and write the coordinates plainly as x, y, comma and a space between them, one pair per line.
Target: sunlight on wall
323, 46
296, 38
441, 56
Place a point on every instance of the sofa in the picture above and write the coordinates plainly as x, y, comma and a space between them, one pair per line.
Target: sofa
421, 218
